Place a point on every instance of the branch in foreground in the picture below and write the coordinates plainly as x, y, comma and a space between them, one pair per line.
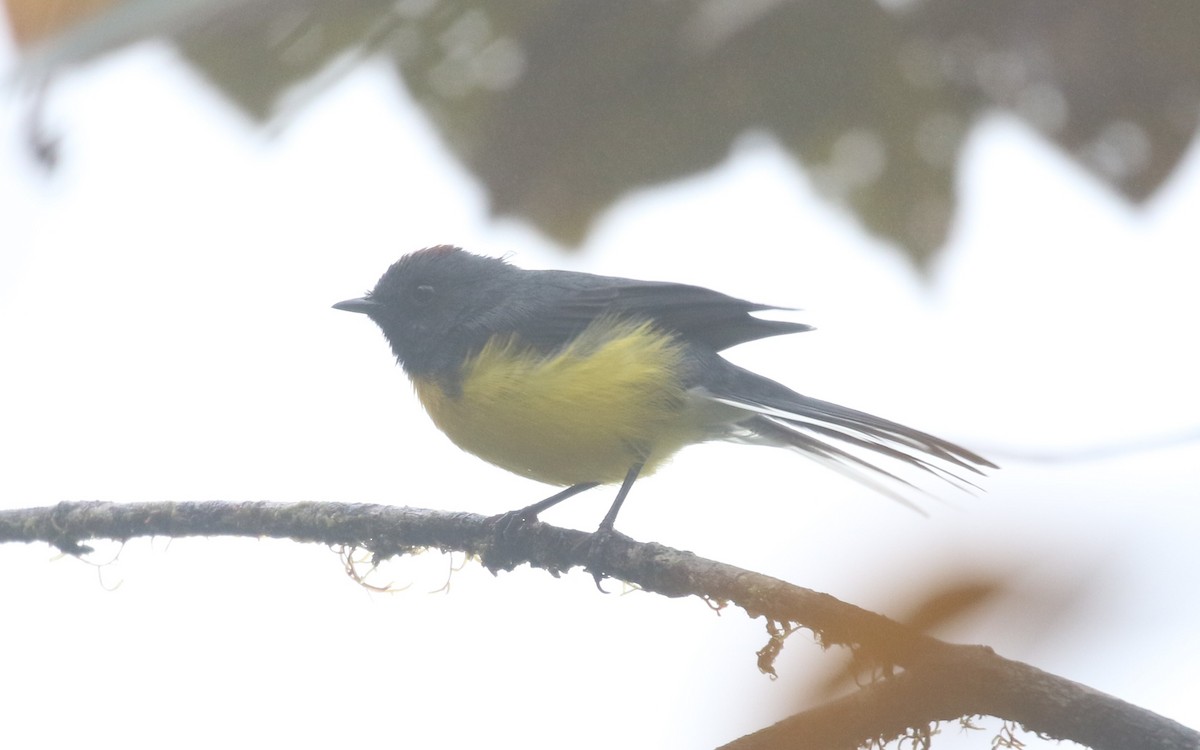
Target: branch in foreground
937, 681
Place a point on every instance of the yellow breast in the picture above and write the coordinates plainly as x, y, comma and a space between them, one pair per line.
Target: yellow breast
610, 399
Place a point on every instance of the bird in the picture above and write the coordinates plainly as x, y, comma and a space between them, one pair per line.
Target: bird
578, 380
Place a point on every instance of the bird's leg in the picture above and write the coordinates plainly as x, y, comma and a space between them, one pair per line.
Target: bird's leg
597, 542
507, 521
611, 517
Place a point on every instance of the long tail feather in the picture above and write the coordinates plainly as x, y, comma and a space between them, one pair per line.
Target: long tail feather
830, 434
832, 457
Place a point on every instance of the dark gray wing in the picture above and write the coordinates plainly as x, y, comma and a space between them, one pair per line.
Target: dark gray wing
564, 303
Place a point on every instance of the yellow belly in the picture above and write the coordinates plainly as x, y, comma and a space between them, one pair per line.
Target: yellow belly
611, 399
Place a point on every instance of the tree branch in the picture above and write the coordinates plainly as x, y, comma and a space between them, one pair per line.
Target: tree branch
929, 680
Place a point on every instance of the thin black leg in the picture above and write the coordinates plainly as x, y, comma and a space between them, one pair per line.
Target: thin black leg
611, 517
531, 513
515, 518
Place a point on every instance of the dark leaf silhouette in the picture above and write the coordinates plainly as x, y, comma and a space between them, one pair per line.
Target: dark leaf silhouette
561, 108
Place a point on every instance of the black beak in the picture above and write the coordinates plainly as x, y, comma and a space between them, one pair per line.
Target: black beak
363, 305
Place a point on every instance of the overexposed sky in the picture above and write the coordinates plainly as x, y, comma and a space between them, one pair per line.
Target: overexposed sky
166, 335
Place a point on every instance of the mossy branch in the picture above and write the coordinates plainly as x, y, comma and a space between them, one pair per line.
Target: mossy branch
929, 680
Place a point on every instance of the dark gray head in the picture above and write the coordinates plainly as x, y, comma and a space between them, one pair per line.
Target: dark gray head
430, 305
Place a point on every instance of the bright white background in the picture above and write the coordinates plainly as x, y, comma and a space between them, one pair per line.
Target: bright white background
165, 334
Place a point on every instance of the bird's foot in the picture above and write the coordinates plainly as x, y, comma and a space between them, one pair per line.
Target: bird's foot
506, 523
596, 550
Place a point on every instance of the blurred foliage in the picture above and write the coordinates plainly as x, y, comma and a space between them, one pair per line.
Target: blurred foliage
1029, 608
33, 20
562, 107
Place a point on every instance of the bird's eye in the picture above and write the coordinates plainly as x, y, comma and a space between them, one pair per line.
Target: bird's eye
423, 293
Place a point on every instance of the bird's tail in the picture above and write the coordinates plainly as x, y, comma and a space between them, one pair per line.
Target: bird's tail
846, 440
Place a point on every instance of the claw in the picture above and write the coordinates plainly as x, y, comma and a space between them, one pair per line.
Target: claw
505, 523
596, 544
